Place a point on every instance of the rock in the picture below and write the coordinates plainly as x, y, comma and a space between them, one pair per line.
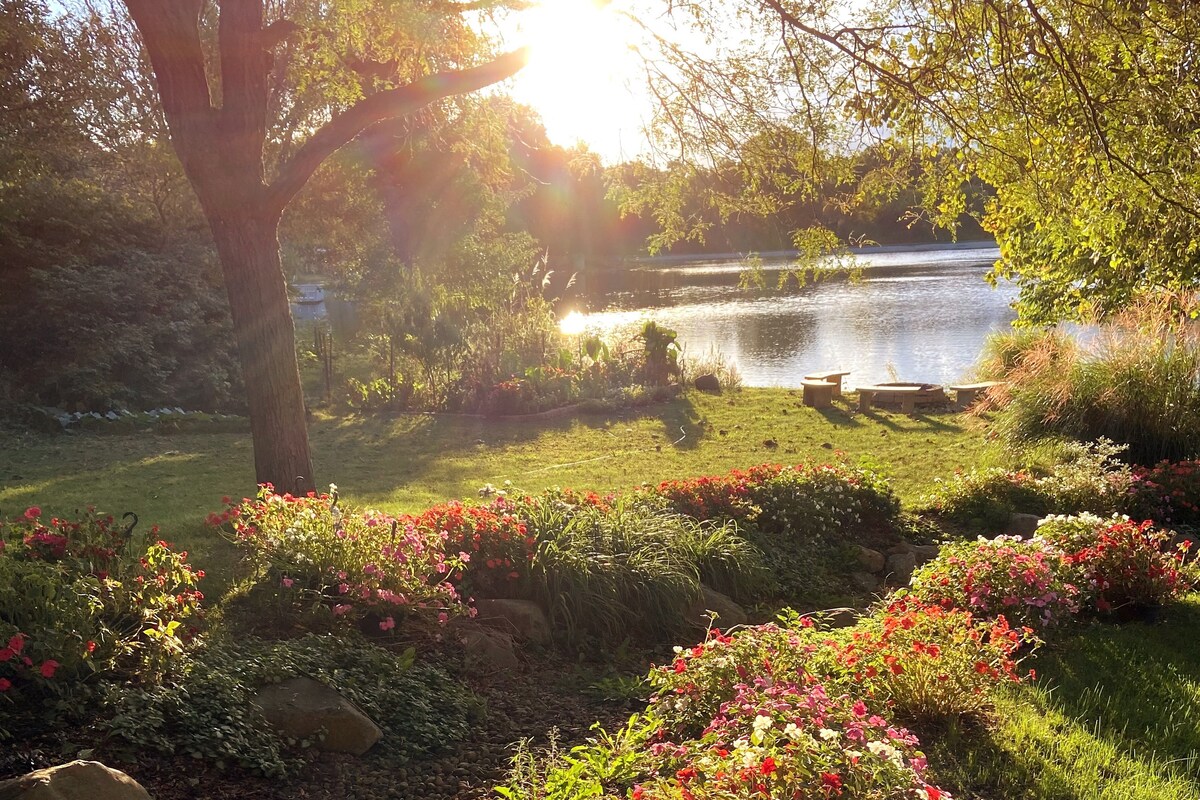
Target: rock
520, 618
1023, 525
864, 581
900, 568
871, 560
301, 707
832, 619
75, 781
728, 612
708, 383
488, 651
900, 547
925, 552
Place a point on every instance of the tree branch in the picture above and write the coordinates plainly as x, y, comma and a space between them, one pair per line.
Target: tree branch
389, 104
171, 35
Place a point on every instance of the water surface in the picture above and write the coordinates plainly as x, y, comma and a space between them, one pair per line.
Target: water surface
916, 314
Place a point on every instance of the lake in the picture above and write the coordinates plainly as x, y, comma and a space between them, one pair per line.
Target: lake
917, 314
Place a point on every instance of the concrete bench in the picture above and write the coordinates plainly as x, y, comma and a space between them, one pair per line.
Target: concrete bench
818, 394
833, 377
906, 394
965, 394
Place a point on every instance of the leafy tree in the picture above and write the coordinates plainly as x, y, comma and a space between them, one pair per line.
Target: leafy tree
1082, 115
293, 81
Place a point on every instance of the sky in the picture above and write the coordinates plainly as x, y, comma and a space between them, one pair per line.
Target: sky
585, 77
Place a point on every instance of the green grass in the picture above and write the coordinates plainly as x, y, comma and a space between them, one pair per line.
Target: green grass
1114, 714
411, 462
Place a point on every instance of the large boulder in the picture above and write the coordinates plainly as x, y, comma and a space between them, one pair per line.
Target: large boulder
487, 651
871, 560
1023, 525
79, 780
832, 619
925, 552
864, 581
900, 568
728, 612
520, 618
301, 708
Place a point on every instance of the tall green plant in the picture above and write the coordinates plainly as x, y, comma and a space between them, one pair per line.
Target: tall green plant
1136, 381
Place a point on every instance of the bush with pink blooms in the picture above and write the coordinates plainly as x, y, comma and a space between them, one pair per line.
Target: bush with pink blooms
1024, 580
354, 567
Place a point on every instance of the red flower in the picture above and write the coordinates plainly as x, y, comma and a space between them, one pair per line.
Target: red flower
831, 780
16, 643
5, 684
768, 766
32, 513
48, 668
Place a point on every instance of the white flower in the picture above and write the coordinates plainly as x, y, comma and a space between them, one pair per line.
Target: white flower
827, 734
881, 749
792, 732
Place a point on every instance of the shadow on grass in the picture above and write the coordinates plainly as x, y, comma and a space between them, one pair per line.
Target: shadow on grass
1116, 713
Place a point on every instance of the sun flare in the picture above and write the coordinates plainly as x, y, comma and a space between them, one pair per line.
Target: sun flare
583, 73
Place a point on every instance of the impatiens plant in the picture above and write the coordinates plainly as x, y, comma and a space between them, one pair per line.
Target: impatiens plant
786, 740
78, 599
1169, 492
353, 565
930, 663
1126, 563
492, 542
1024, 580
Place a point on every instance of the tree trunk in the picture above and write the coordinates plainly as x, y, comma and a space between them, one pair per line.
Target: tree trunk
266, 337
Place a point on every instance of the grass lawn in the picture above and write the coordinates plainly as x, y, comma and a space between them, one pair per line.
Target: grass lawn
1114, 714
411, 462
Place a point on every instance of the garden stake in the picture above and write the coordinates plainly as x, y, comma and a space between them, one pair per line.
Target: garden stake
129, 528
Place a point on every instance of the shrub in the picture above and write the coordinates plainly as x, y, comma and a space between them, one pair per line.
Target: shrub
1167, 493
492, 540
1120, 562
1136, 382
930, 663
76, 601
810, 502
204, 709
1090, 477
1023, 580
784, 739
351, 566
799, 517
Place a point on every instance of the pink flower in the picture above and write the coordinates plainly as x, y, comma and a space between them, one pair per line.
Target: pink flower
387, 624
32, 513
464, 557
287, 583
341, 609
16, 643
443, 618
343, 588
48, 667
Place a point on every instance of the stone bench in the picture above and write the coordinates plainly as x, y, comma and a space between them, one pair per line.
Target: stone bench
965, 394
818, 394
906, 394
832, 377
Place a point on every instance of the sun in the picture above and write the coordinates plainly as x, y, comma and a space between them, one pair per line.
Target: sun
584, 73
